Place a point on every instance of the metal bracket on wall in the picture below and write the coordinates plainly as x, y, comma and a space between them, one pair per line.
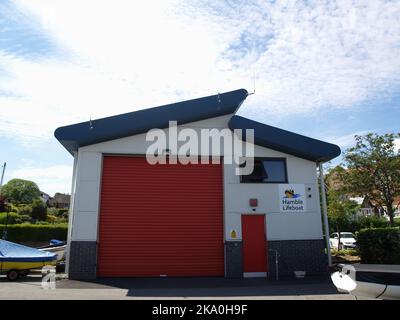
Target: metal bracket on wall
276, 263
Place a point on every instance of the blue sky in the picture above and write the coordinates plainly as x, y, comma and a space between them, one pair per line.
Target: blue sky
326, 69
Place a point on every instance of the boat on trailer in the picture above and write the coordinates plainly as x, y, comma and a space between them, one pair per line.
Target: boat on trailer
58, 247
17, 260
368, 280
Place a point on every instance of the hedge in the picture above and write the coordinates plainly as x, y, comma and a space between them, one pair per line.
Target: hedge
379, 245
13, 218
354, 225
35, 232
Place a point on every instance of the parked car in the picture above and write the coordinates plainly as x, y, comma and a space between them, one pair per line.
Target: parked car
347, 241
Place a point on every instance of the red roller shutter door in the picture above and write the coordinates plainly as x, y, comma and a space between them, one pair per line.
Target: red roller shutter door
160, 220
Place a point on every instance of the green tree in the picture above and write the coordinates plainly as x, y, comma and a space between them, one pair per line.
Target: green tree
374, 170
39, 210
333, 179
20, 191
340, 210
336, 210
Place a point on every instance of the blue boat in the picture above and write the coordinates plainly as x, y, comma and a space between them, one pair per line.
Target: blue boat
17, 260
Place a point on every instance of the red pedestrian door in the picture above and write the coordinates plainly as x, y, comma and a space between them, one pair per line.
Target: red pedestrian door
254, 246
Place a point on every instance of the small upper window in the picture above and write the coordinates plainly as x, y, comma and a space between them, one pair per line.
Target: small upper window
271, 170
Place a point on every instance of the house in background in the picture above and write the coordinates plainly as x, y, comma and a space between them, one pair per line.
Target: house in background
44, 197
367, 207
371, 208
60, 201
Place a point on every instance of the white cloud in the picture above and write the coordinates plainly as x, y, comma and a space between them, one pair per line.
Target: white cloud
50, 179
347, 140
319, 54
118, 56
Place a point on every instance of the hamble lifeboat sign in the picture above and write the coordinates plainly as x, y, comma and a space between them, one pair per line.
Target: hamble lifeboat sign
292, 198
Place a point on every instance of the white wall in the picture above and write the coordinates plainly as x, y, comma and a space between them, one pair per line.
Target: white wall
71, 210
280, 226
85, 206
138, 145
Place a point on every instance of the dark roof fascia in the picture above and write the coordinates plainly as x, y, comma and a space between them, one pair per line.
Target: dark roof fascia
91, 132
286, 141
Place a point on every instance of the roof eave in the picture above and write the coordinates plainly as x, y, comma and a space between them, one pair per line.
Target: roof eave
280, 140
87, 133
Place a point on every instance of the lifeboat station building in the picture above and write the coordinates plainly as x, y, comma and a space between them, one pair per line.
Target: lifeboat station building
134, 217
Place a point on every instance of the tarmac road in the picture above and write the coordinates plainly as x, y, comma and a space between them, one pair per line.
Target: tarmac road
309, 288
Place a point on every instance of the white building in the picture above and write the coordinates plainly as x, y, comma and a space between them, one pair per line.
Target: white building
133, 219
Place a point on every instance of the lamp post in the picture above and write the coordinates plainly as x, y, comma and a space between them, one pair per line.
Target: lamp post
325, 213
2, 174
1, 183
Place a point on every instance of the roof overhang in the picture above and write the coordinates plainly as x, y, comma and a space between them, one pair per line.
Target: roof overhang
286, 141
86, 133
74, 136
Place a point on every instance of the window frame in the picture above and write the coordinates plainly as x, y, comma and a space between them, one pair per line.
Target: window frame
284, 160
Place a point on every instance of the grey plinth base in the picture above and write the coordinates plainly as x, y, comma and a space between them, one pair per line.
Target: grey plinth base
297, 255
233, 259
82, 260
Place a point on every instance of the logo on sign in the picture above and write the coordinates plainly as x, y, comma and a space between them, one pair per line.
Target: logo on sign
292, 198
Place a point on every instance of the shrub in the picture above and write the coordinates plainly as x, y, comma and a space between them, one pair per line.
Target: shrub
61, 213
346, 252
13, 218
10, 207
35, 232
42, 223
379, 245
61, 220
356, 224
371, 222
24, 209
52, 219
52, 211
39, 210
